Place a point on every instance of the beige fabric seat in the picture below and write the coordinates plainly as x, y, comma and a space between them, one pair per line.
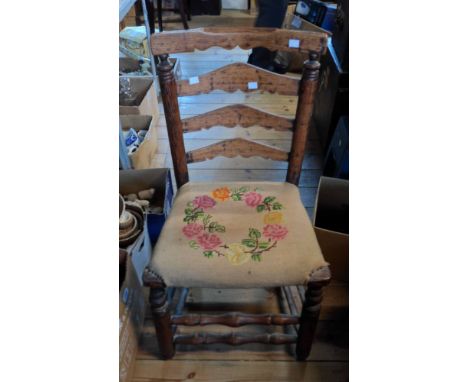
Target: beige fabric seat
237, 235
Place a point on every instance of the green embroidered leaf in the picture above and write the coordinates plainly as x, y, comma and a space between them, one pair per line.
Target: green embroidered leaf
269, 199
208, 254
236, 197
249, 243
206, 219
263, 245
260, 207
220, 228
243, 189
193, 244
277, 206
254, 233
212, 227
256, 257
199, 215
189, 204
188, 211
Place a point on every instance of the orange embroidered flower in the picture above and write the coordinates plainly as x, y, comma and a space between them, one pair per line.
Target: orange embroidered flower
221, 193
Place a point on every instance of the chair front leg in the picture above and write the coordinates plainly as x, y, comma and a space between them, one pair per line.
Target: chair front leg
311, 312
162, 321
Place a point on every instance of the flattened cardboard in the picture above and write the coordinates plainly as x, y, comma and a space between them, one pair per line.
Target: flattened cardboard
142, 158
331, 224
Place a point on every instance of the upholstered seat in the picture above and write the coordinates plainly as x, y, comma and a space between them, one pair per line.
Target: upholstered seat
237, 235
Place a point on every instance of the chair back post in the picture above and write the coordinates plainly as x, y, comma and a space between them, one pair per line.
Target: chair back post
168, 87
305, 104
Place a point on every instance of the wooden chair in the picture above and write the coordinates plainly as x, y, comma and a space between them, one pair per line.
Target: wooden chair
286, 252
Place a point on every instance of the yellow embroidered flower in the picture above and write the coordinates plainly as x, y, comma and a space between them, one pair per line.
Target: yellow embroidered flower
221, 193
274, 217
236, 254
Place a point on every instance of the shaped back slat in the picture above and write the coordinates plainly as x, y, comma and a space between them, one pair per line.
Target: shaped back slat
246, 38
239, 76
234, 77
231, 148
237, 115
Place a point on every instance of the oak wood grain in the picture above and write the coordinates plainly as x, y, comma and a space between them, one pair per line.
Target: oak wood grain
237, 76
231, 148
243, 37
237, 115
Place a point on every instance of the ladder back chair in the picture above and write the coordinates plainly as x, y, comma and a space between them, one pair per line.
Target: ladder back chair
237, 235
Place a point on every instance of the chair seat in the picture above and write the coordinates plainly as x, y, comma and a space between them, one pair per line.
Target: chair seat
237, 235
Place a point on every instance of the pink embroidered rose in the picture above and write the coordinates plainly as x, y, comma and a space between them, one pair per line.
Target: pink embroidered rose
192, 229
252, 199
203, 201
208, 241
275, 231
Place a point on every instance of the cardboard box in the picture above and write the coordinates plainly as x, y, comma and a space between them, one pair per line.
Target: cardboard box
331, 224
143, 100
294, 22
129, 66
133, 181
133, 38
131, 318
141, 158
140, 252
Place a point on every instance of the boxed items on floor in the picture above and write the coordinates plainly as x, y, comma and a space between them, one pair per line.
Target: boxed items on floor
130, 67
321, 13
331, 225
131, 318
134, 40
137, 96
134, 254
294, 61
154, 185
140, 139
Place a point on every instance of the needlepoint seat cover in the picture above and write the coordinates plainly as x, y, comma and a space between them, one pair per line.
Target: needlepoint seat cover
237, 235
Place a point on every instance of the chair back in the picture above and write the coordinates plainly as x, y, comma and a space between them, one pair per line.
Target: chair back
233, 77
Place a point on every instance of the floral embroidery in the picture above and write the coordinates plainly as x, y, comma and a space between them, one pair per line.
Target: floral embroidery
274, 217
192, 229
221, 194
208, 241
203, 202
253, 199
275, 231
203, 230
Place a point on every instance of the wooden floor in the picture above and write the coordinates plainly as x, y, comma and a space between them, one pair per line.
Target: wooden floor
256, 362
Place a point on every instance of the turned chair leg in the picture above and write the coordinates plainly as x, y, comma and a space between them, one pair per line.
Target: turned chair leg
162, 321
311, 312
